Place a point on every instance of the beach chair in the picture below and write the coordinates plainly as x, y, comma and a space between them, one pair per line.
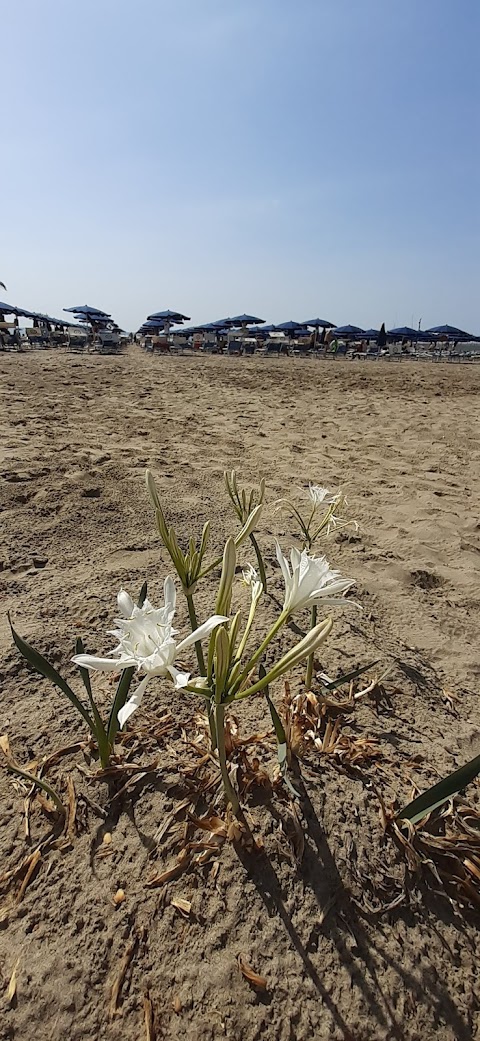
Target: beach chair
340, 352
234, 347
37, 339
77, 343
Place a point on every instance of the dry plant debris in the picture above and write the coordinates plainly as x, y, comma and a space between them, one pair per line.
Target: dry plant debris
445, 849
308, 725
257, 982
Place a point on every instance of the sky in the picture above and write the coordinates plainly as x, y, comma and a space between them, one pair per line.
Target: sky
284, 158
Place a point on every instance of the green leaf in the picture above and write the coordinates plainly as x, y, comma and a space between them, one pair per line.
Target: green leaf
41, 665
281, 740
121, 695
38, 783
441, 792
100, 732
348, 676
142, 596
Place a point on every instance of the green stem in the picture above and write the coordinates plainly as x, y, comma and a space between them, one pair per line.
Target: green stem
308, 677
261, 565
194, 624
212, 725
230, 792
263, 646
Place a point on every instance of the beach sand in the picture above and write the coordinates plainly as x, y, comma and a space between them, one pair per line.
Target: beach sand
402, 440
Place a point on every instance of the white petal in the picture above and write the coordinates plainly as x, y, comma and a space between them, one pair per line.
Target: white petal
202, 631
125, 604
133, 703
88, 661
169, 595
283, 564
180, 678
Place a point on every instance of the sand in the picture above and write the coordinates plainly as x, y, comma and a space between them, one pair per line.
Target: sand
402, 439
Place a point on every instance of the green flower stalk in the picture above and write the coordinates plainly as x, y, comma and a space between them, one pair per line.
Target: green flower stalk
243, 506
321, 518
190, 565
230, 678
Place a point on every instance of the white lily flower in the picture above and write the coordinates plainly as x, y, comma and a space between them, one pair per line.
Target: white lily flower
322, 496
310, 581
146, 643
251, 579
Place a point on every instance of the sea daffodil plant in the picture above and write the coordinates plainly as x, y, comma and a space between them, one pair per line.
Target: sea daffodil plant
102, 732
322, 513
189, 565
147, 645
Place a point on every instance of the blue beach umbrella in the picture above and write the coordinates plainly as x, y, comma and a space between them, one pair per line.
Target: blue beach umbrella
246, 319
319, 323
172, 317
88, 311
403, 330
348, 330
7, 308
449, 330
289, 327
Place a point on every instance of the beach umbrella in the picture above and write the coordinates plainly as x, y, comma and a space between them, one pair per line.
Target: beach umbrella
246, 319
23, 313
319, 323
169, 318
172, 317
348, 330
404, 330
154, 323
289, 327
88, 311
371, 334
7, 308
448, 330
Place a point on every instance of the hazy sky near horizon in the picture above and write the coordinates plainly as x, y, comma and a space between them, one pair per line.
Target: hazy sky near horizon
288, 158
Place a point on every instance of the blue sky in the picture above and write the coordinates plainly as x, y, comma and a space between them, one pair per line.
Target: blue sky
288, 158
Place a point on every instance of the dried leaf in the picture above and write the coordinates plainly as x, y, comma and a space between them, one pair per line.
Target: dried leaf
182, 905
214, 825
5, 745
150, 1034
120, 977
34, 860
72, 809
12, 986
169, 874
473, 868
252, 977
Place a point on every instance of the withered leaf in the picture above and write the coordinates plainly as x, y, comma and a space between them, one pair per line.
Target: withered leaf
252, 977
